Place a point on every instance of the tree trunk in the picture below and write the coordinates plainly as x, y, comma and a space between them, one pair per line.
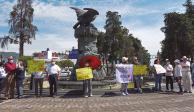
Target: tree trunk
21, 49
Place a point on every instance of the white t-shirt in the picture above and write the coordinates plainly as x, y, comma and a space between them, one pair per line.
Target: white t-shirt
185, 66
178, 71
169, 70
53, 69
38, 75
2, 72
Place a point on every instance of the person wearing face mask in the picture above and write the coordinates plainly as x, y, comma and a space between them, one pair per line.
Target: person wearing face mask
10, 68
53, 72
186, 72
169, 75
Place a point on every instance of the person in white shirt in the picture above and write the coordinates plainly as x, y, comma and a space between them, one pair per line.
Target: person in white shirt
53, 72
192, 67
178, 74
186, 72
169, 75
2, 77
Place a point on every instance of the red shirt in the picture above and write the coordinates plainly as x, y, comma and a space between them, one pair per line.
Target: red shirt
10, 67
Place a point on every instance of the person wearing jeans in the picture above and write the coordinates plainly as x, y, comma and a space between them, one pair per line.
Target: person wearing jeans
20, 76
158, 76
138, 78
53, 72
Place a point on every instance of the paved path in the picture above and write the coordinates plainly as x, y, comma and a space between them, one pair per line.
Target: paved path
147, 102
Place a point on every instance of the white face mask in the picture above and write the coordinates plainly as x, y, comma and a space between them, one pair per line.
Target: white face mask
52, 63
11, 61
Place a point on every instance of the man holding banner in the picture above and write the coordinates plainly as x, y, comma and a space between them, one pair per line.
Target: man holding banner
124, 74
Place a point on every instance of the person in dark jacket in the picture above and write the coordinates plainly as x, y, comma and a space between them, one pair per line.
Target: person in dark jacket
20, 76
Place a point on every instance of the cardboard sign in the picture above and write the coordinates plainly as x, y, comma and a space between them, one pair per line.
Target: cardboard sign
35, 66
84, 73
140, 70
159, 69
131, 85
124, 73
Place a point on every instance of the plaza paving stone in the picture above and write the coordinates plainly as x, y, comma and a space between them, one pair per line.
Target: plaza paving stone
147, 102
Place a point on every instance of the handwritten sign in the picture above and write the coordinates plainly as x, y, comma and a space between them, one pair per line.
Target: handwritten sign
159, 69
124, 73
140, 70
35, 66
84, 73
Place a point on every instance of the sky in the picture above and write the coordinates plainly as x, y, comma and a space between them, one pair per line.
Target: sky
55, 20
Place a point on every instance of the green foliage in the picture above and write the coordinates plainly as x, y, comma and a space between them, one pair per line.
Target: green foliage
65, 63
179, 34
21, 28
117, 42
25, 59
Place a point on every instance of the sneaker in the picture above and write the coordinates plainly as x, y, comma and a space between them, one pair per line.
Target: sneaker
86, 96
127, 93
190, 91
90, 95
123, 94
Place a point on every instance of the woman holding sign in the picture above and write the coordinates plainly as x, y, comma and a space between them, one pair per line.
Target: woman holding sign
122, 75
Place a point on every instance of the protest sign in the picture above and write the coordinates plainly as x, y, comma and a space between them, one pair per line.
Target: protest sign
84, 73
35, 66
159, 69
140, 70
124, 73
131, 85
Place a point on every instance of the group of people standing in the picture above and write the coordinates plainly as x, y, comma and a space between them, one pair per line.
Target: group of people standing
181, 72
13, 74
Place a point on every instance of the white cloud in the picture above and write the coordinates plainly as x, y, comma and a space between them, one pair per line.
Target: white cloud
5, 7
52, 41
56, 12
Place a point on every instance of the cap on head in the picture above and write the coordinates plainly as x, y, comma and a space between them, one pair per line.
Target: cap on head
177, 61
167, 60
184, 57
124, 59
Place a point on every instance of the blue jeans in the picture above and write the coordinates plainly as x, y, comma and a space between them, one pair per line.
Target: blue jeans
138, 81
158, 81
19, 87
193, 77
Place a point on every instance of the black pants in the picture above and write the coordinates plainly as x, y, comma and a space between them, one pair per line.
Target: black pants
38, 82
2, 83
178, 80
53, 84
169, 80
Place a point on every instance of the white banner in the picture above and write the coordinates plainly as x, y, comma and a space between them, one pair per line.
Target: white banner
159, 69
124, 73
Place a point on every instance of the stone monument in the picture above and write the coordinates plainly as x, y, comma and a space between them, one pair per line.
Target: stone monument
86, 33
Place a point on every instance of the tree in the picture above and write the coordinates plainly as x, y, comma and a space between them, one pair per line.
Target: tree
179, 34
21, 28
65, 63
